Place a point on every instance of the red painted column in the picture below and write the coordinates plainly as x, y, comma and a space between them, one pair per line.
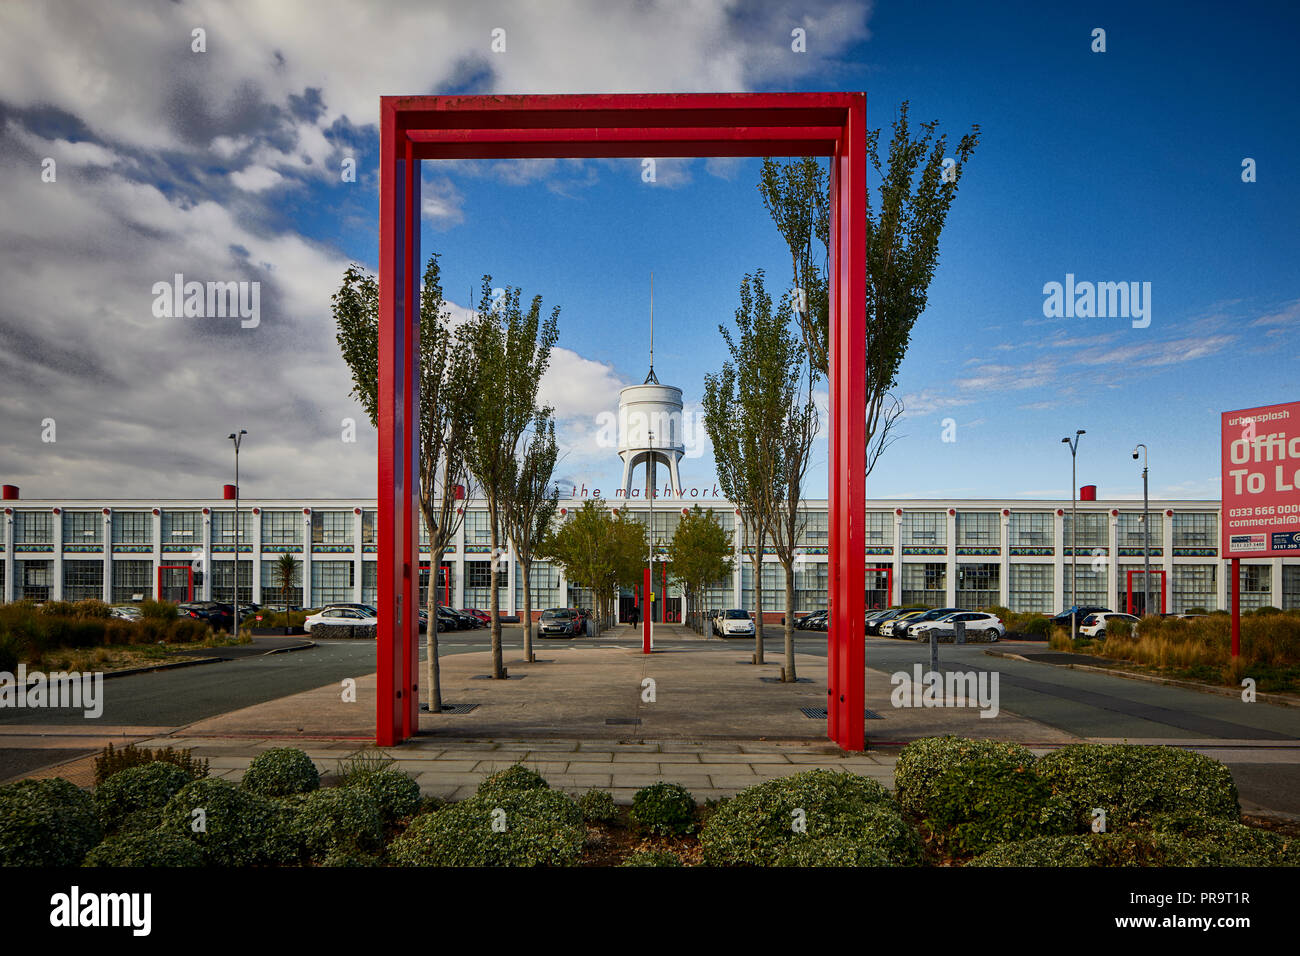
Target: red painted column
846, 653
410, 513
1236, 607
647, 609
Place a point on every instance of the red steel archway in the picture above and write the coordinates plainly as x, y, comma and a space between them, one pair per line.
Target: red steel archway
416, 128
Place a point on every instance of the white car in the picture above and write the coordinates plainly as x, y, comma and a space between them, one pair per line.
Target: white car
978, 624
340, 615
1094, 625
735, 623
127, 613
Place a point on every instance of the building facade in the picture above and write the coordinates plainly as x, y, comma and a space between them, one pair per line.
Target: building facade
976, 553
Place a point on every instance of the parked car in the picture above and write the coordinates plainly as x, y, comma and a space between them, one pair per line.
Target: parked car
893, 624
482, 617
989, 626
215, 615
561, 622
340, 615
903, 626
368, 608
1080, 611
1094, 625
816, 621
127, 613
875, 623
735, 622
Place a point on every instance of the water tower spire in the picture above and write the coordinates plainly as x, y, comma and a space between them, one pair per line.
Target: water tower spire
652, 379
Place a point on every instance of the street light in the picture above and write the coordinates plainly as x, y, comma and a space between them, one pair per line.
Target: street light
237, 439
1146, 534
1074, 532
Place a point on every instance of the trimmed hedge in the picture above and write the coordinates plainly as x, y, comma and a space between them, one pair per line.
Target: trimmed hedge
1133, 783
1219, 842
281, 772
47, 823
832, 850
542, 828
514, 779
396, 794
597, 806
667, 809
138, 792
240, 828
757, 826
922, 762
146, 850
336, 822
979, 803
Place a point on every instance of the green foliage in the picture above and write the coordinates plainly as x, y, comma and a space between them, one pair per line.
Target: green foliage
395, 793
146, 787
92, 609
338, 820
541, 828
652, 858
757, 827
1219, 842
514, 779
923, 762
158, 610
145, 850
1115, 627
700, 552
597, 806
835, 849
598, 548
1133, 783
236, 828
46, 823
281, 771
667, 809
978, 803
1037, 627
110, 761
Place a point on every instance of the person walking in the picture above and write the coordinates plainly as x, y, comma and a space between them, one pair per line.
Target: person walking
634, 615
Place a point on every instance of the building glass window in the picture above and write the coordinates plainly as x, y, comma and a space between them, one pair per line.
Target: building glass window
331, 582
773, 586
272, 592
1194, 585
1031, 529
446, 584
815, 532
83, 527
223, 584
1196, 531
925, 584
478, 529
369, 528
370, 582
666, 523
1031, 588
1092, 584
1290, 586
33, 527
83, 580
281, 527
1092, 532
1139, 595
1256, 586
333, 527
978, 528
880, 529
543, 585
132, 527
132, 581
34, 580
1131, 533
924, 528
978, 585
223, 528
183, 527
478, 585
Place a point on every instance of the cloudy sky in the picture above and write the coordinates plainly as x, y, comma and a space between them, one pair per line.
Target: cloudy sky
130, 157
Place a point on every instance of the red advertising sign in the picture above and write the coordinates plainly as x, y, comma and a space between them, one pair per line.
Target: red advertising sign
1261, 475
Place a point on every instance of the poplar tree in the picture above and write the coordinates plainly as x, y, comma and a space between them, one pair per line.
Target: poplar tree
531, 507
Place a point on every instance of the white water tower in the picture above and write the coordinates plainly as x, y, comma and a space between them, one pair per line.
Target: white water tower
650, 425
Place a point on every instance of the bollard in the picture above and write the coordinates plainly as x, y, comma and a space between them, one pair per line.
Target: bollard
959, 630
934, 651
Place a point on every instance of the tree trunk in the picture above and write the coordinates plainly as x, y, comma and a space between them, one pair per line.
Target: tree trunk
433, 675
494, 601
789, 623
528, 611
757, 560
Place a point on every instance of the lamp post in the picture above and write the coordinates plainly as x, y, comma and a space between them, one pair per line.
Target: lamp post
1074, 532
648, 634
237, 438
1146, 534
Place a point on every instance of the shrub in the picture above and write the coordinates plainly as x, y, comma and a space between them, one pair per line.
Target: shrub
350, 858
92, 608
145, 787
1219, 842
110, 761
667, 809
1133, 783
46, 823
281, 771
58, 609
1118, 628
1037, 627
239, 828
541, 828
757, 826
597, 806
977, 804
338, 820
395, 794
158, 610
652, 858
145, 849
832, 850
9, 653
922, 762
514, 779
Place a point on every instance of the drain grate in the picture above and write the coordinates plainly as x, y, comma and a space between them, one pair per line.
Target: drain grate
451, 708
490, 677
819, 713
622, 720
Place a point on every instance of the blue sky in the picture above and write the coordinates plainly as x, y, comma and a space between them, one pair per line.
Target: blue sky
1115, 166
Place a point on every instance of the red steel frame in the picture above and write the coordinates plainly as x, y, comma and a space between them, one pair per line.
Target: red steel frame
189, 580
417, 128
889, 585
1128, 590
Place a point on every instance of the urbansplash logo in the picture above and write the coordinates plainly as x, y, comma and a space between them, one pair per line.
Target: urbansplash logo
75, 909
57, 691
1101, 300
213, 300
949, 689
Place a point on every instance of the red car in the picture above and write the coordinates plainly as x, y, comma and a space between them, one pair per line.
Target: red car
483, 616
